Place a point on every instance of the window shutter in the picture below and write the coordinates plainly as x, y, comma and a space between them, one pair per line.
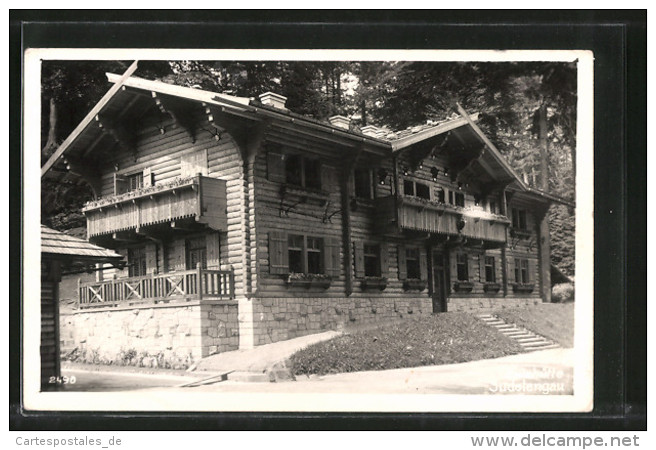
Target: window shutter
120, 184
331, 257
151, 257
358, 251
511, 270
403, 270
384, 260
148, 177
278, 256
423, 264
531, 271
453, 266
326, 176
193, 164
213, 251
275, 167
481, 267
471, 267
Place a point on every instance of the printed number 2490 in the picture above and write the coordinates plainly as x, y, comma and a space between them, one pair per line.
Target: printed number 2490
62, 380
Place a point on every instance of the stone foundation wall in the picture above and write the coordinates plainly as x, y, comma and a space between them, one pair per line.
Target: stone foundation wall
278, 319
177, 334
483, 304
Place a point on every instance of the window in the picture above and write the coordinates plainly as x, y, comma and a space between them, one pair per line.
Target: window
439, 195
304, 172
314, 247
493, 206
521, 270
371, 260
519, 218
462, 268
413, 189
459, 199
305, 254
196, 250
137, 261
135, 181
363, 183
295, 250
412, 263
490, 273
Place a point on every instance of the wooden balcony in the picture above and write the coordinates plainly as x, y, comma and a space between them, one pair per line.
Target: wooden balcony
196, 284
439, 218
202, 198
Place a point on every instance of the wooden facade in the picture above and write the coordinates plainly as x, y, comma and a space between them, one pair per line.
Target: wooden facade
303, 225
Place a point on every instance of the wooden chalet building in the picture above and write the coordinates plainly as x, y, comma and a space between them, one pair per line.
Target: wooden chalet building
243, 223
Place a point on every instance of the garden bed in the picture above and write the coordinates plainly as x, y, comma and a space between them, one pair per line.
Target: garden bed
440, 339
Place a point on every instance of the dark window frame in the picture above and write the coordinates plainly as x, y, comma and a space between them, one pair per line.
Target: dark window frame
305, 250
196, 246
462, 267
137, 261
372, 259
522, 274
364, 186
134, 181
305, 178
490, 269
412, 263
415, 192
459, 199
519, 219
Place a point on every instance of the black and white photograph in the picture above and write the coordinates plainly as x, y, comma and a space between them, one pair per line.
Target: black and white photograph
383, 231
350, 231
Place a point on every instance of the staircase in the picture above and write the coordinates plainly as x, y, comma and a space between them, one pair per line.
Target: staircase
529, 341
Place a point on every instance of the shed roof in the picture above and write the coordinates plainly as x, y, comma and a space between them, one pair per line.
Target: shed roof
57, 245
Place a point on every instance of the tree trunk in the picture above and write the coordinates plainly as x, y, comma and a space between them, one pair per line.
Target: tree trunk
52, 129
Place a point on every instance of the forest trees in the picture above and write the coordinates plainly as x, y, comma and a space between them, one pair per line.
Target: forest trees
528, 109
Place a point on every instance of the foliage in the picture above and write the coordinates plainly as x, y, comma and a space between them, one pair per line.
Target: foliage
562, 293
552, 320
440, 339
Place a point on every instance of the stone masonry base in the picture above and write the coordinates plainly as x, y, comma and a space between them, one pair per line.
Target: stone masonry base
279, 319
482, 304
173, 334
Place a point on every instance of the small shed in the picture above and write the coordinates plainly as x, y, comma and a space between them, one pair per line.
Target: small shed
60, 251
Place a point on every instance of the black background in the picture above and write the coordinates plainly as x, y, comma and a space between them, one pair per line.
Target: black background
618, 40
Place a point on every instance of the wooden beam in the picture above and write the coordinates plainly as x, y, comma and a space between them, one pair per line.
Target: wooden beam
182, 116
121, 135
89, 118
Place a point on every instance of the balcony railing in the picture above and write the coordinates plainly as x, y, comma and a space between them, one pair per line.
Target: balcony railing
196, 284
439, 218
202, 198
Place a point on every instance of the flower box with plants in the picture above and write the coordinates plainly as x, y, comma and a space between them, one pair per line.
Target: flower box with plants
491, 287
414, 284
309, 280
379, 283
523, 287
463, 286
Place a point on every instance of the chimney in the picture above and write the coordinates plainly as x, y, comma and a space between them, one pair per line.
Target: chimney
340, 121
273, 99
370, 130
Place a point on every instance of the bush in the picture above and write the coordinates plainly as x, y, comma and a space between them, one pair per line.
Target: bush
562, 293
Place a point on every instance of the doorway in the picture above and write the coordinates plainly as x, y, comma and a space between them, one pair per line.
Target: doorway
439, 282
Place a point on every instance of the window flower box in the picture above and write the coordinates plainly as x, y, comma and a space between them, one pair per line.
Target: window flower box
414, 284
309, 280
520, 233
463, 286
523, 287
491, 287
379, 283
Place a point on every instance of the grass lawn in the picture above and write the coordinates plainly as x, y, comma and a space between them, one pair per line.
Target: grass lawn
552, 320
440, 339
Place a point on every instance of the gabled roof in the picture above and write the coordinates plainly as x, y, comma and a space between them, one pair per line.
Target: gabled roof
126, 89
57, 245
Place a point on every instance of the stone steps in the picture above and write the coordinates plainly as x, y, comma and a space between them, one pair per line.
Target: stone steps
527, 339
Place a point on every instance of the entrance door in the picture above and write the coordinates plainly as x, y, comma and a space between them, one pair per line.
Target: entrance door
196, 252
439, 283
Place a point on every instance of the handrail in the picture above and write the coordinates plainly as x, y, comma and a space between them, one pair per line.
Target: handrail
196, 284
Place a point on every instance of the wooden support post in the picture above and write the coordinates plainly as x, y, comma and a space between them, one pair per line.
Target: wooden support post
199, 284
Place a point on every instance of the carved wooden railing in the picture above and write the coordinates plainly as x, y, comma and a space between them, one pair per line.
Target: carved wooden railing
200, 197
439, 218
196, 284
